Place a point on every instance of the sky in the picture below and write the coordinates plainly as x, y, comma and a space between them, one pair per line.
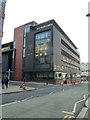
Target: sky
70, 15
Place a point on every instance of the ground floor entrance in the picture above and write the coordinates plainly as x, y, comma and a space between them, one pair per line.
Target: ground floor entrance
51, 77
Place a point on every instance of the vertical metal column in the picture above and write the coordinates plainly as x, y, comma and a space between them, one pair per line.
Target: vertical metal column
2, 16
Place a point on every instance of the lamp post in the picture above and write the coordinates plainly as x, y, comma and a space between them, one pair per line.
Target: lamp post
88, 15
2, 16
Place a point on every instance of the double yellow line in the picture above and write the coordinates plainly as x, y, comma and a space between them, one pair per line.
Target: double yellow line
68, 117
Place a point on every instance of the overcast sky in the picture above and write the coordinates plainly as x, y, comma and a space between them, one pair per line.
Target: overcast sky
69, 14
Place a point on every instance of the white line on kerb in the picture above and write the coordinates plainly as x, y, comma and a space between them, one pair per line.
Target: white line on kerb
75, 105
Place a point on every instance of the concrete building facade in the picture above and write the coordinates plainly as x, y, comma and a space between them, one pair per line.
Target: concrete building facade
43, 52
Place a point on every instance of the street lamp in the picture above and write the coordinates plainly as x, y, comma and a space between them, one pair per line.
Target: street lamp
88, 15
2, 16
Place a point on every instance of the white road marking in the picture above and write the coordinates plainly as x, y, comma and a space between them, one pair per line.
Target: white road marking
63, 89
68, 112
16, 101
50, 93
75, 105
10, 103
27, 98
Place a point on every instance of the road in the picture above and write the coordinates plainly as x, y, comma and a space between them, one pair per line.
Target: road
45, 102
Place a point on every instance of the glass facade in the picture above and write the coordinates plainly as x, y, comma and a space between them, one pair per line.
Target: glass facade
42, 52
26, 30
2, 6
1, 25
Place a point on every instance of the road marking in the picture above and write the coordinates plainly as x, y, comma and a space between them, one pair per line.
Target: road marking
10, 103
63, 89
27, 98
75, 105
71, 113
68, 117
16, 101
51, 93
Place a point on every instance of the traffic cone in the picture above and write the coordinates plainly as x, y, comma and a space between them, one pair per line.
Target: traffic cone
21, 86
24, 87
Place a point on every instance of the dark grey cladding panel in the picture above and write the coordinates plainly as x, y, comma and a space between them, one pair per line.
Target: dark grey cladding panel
29, 55
57, 48
5, 62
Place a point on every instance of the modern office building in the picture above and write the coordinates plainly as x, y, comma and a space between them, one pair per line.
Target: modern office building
43, 52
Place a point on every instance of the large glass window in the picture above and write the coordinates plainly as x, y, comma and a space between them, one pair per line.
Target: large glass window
2, 6
42, 43
24, 42
14, 45
23, 52
1, 25
27, 29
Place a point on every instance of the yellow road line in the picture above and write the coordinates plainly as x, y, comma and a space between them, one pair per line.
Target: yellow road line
68, 117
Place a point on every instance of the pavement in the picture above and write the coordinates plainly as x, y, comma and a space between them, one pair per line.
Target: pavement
15, 88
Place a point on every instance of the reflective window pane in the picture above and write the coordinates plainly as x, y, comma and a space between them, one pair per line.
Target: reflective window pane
42, 49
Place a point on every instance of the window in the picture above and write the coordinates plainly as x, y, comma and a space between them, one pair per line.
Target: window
59, 74
27, 29
42, 60
13, 55
24, 52
2, 6
1, 24
14, 45
24, 42
44, 26
69, 56
51, 74
41, 66
43, 35
66, 45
